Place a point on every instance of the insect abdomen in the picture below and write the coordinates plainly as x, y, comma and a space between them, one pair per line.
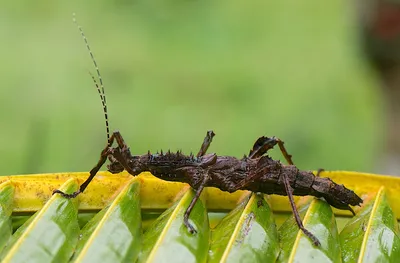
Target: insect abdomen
302, 183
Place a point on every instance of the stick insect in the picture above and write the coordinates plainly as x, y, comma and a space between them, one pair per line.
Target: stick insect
256, 172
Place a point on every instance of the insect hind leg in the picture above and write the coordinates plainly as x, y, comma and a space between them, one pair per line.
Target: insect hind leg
263, 144
285, 154
289, 191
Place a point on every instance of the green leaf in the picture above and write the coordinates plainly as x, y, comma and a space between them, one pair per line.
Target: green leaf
372, 235
168, 239
114, 234
246, 234
320, 221
6, 207
48, 236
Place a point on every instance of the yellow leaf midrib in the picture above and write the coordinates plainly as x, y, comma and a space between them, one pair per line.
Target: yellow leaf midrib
369, 224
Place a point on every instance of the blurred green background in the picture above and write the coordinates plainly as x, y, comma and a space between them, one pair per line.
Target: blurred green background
175, 69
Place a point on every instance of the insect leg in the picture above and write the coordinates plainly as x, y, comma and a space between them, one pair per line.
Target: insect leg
263, 144
319, 171
206, 143
260, 147
120, 141
103, 157
93, 172
119, 157
240, 185
192, 203
289, 191
106, 152
285, 154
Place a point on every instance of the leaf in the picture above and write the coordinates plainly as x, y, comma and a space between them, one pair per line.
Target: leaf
32, 191
320, 221
48, 236
19, 220
372, 235
246, 234
6, 207
168, 239
114, 234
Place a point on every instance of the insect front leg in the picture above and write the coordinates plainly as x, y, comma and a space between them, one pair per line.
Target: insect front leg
118, 157
206, 143
103, 157
93, 172
192, 204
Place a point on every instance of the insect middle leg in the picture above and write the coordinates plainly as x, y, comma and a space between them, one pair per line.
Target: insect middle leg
108, 150
203, 149
193, 203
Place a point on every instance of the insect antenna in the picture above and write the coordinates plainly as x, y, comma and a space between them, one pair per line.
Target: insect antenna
101, 88
103, 102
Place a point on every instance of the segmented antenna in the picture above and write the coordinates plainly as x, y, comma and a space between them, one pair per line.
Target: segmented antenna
101, 88
103, 102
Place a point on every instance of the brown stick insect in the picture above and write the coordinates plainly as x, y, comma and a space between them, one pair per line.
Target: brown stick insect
256, 172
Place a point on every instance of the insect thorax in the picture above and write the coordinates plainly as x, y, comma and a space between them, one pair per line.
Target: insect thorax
168, 166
